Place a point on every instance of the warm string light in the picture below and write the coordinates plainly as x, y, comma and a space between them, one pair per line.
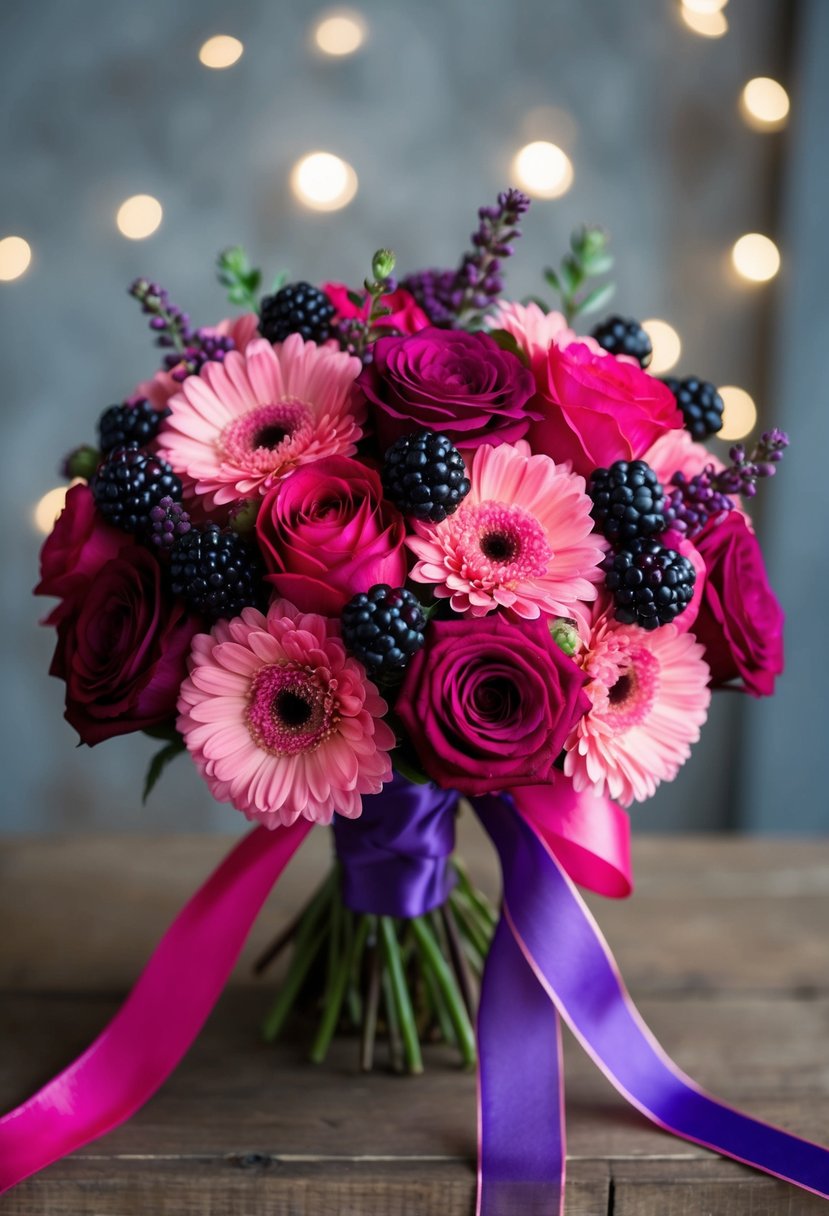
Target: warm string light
15, 256
221, 51
48, 508
711, 23
139, 216
755, 257
340, 33
666, 345
739, 412
543, 169
323, 182
764, 104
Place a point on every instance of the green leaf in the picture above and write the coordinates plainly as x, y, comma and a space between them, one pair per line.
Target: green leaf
356, 299
596, 299
166, 731
599, 263
408, 770
572, 275
507, 341
158, 764
279, 282
552, 278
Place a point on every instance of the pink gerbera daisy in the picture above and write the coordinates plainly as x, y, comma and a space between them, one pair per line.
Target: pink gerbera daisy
536, 331
650, 696
281, 721
522, 539
241, 425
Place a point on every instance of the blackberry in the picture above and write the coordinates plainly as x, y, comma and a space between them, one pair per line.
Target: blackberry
628, 501
701, 405
216, 572
298, 308
123, 424
620, 336
384, 628
168, 521
129, 483
424, 475
650, 585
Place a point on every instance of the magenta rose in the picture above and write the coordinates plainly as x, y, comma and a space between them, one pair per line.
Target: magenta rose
122, 649
75, 550
740, 622
459, 383
326, 533
405, 316
596, 409
488, 703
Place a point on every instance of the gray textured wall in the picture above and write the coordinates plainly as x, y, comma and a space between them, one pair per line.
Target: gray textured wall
106, 99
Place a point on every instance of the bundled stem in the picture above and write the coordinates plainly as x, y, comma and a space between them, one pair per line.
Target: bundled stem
412, 980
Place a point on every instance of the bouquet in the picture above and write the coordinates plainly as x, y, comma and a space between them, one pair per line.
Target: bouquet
364, 554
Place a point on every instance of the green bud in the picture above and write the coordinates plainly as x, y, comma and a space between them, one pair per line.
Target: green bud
564, 633
589, 242
382, 264
81, 462
242, 517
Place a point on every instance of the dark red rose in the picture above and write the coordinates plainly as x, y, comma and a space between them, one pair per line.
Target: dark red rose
740, 622
326, 533
122, 648
75, 550
489, 703
462, 384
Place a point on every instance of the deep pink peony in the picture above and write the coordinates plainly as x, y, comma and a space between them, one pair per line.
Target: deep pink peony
459, 383
326, 533
740, 622
122, 649
488, 704
596, 409
405, 315
75, 550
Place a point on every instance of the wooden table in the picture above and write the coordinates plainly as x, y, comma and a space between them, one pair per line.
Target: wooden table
724, 946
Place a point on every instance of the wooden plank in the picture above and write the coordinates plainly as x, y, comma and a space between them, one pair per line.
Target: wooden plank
722, 1188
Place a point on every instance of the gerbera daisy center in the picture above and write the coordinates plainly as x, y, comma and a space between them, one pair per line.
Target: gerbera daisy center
263, 431
289, 711
499, 544
632, 684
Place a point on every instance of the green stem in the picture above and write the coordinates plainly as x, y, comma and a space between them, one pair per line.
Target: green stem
342, 931
433, 958
479, 938
393, 1026
477, 898
400, 994
305, 952
372, 998
439, 1007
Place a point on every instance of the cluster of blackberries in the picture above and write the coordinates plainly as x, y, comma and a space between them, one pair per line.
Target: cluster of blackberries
384, 628
216, 572
424, 476
650, 584
701, 405
621, 336
298, 308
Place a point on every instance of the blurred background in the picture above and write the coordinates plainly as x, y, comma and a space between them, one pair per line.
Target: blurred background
141, 139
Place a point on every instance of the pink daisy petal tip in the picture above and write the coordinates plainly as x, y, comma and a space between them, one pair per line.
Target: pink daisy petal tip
281, 721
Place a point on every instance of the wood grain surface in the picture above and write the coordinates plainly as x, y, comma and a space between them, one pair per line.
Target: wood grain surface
724, 947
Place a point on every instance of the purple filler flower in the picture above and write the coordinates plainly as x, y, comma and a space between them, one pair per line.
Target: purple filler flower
462, 384
489, 703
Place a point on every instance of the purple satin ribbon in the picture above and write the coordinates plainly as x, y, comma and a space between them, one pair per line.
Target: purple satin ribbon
554, 939
395, 857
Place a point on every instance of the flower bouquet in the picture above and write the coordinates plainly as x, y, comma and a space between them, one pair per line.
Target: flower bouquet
363, 554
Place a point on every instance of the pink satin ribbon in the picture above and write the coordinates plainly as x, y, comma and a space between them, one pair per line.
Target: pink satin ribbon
161, 1017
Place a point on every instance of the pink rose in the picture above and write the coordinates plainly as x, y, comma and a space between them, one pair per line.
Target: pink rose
596, 409
740, 622
489, 703
405, 317
76, 549
122, 648
326, 533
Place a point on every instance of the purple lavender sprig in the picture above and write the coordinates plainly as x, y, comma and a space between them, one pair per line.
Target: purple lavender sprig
170, 325
205, 347
692, 503
449, 296
746, 469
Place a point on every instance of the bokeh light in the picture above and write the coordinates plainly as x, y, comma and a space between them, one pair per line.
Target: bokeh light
49, 507
543, 169
706, 7
739, 413
666, 345
755, 257
221, 51
323, 182
139, 216
707, 24
764, 104
340, 33
15, 256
